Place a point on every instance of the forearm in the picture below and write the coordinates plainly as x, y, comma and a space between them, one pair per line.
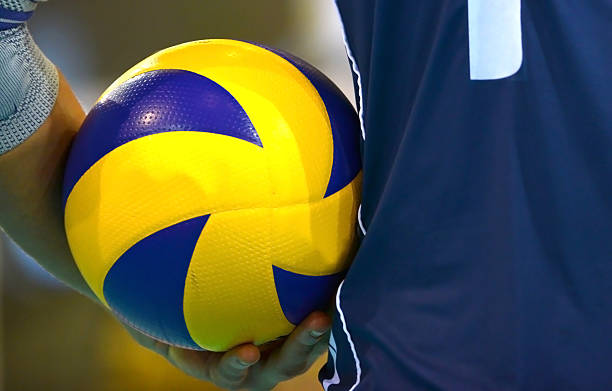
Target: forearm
30, 190
39, 116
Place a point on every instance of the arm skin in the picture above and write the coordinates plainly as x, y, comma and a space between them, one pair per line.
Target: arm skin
30, 190
31, 214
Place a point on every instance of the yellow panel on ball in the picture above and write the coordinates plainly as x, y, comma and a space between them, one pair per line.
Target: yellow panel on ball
285, 108
235, 255
154, 182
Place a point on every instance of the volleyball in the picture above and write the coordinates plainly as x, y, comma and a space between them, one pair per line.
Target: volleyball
210, 197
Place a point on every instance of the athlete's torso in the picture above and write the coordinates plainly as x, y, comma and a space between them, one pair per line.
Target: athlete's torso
487, 199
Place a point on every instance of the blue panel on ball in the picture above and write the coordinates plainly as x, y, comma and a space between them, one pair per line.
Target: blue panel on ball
299, 294
343, 119
146, 286
155, 102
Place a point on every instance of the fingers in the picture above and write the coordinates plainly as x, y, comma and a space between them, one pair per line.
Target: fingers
321, 347
226, 370
295, 356
302, 341
194, 363
236, 368
233, 366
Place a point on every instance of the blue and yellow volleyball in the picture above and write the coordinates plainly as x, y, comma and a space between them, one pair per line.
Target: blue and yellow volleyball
211, 194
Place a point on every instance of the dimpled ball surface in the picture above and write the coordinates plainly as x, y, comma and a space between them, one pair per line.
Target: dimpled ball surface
211, 194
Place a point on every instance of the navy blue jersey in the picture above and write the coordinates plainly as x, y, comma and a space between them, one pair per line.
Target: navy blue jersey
486, 257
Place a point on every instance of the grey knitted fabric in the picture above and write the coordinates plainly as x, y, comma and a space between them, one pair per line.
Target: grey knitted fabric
28, 87
20, 5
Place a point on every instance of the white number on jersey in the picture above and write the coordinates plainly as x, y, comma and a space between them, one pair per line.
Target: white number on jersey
496, 44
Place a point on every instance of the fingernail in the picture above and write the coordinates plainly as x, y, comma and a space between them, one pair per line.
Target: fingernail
244, 364
317, 333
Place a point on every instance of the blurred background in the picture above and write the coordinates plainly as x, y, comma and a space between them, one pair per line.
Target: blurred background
52, 338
